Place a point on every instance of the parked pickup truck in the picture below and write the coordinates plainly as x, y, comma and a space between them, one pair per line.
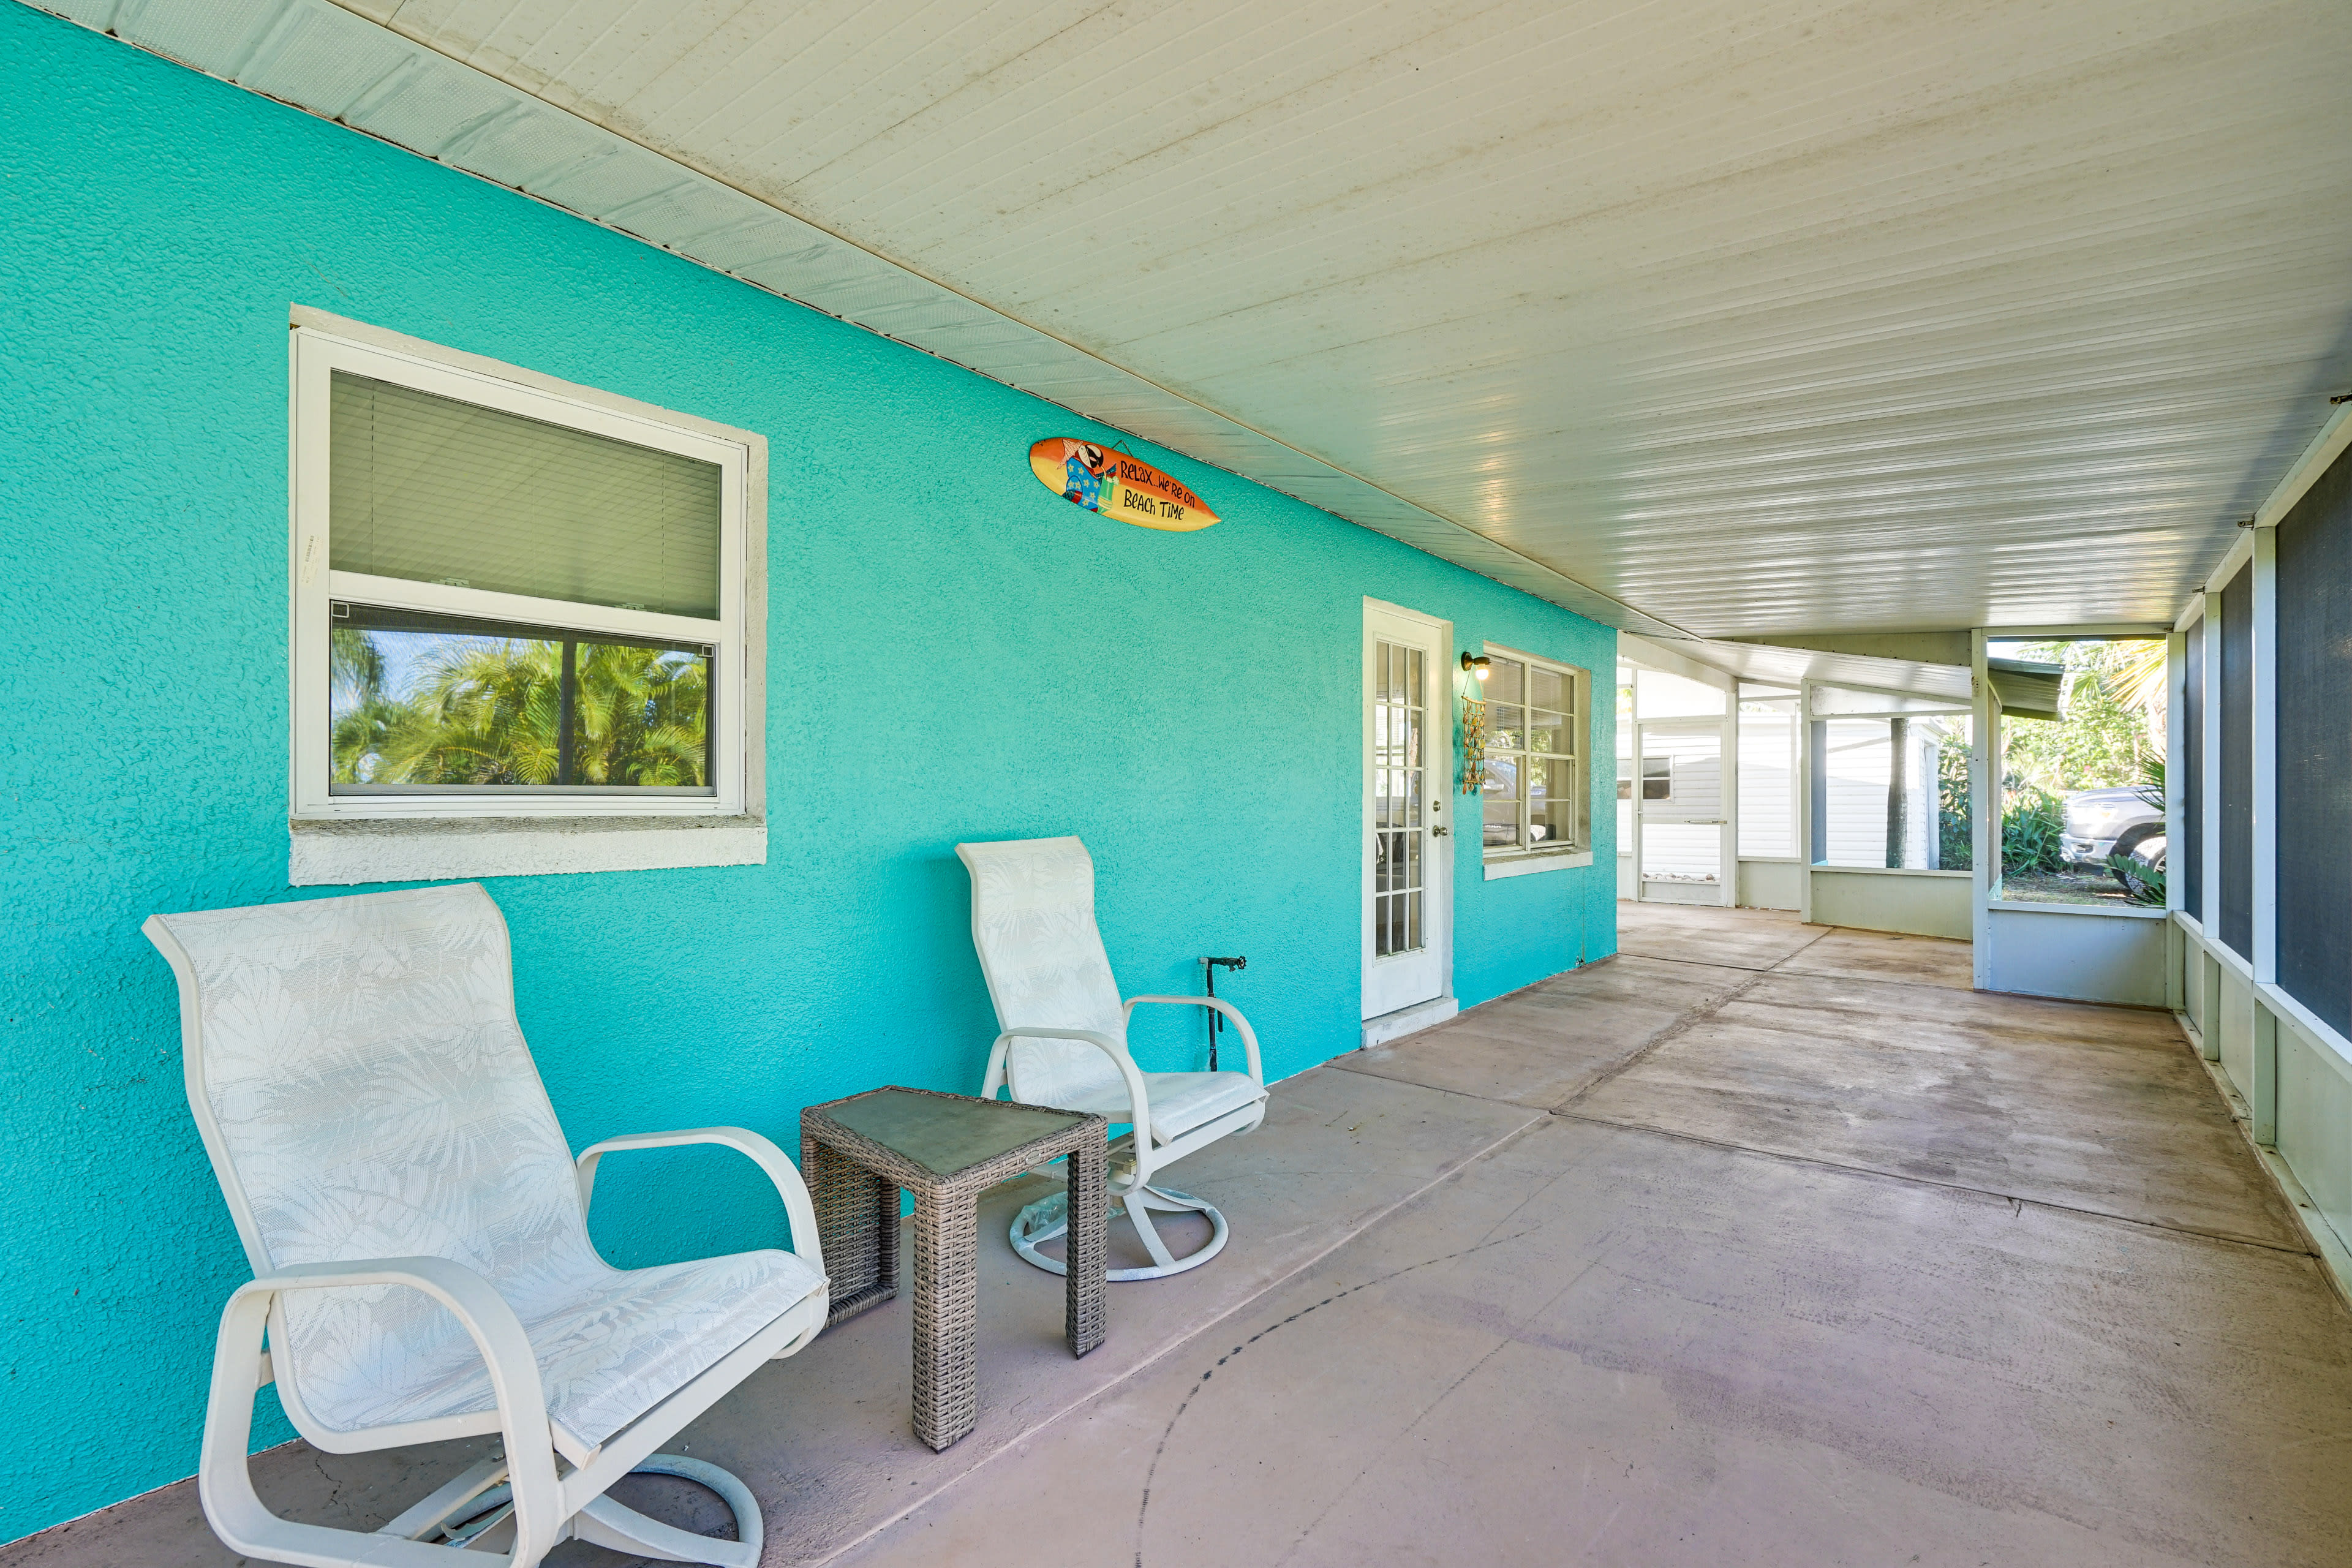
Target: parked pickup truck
2104, 822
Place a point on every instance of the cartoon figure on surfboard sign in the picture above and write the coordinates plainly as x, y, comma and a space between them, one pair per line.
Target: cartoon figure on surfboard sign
1083, 469
1105, 480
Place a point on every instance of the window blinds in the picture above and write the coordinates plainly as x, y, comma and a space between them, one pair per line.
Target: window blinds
435, 490
2315, 749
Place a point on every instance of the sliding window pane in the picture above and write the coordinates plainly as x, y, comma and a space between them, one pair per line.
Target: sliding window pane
421, 703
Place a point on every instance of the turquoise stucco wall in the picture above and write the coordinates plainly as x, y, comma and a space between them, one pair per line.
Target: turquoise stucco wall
1002, 667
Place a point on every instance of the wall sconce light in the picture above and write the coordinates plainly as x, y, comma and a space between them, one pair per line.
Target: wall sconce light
1478, 666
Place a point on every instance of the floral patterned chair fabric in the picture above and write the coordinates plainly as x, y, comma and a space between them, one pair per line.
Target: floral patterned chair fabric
366, 1095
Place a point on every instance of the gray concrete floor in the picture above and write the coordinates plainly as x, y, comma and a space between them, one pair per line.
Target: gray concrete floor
1760, 1244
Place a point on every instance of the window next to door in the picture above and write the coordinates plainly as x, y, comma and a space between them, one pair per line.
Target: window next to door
1538, 734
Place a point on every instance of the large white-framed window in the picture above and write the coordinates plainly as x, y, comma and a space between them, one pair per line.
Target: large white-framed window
1535, 804
526, 620
508, 601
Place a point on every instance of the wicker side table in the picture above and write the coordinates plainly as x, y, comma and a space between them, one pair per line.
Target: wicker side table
946, 1148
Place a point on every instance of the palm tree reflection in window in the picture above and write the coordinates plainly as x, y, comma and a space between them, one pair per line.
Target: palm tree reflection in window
412, 707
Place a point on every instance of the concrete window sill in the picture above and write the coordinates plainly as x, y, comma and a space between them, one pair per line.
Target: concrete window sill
1527, 865
334, 854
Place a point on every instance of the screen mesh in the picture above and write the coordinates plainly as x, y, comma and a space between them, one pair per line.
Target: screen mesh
2238, 763
2193, 790
435, 490
2315, 749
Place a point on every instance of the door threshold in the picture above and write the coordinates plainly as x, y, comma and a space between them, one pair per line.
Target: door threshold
1409, 1020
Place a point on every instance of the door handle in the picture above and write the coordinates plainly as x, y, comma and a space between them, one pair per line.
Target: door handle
1437, 832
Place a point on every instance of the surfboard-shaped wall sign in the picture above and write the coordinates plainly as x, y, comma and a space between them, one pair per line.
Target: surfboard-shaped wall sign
1102, 479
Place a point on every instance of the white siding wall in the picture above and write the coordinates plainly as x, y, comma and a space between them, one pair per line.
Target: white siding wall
1856, 778
1767, 790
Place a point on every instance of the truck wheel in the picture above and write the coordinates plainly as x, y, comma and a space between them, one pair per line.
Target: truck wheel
2125, 847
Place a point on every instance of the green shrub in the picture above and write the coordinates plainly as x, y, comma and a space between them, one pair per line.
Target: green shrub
1955, 842
2029, 830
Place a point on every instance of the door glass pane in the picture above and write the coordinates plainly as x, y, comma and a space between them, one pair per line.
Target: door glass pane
1398, 718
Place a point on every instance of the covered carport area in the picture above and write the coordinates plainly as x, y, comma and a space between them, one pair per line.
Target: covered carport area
1826, 1203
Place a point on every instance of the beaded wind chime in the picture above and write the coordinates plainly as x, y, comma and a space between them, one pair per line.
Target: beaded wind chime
1474, 742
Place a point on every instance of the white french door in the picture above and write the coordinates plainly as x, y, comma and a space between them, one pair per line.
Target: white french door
1408, 809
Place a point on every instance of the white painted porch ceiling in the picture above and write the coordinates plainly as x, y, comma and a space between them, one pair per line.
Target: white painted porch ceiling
1750, 316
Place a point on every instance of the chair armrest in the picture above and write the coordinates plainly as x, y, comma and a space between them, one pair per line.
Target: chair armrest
760, 1152
1139, 1101
1249, 1035
484, 1314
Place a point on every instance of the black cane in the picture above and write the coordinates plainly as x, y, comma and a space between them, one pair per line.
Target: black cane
1216, 1020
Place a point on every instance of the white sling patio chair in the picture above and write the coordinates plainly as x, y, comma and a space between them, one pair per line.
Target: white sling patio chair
419, 1234
1064, 1044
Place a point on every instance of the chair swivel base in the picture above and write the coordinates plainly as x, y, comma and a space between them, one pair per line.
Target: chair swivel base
1048, 1219
609, 1524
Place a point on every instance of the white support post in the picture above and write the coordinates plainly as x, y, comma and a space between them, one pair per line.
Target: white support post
1803, 800
2178, 951
1984, 808
1797, 784
2263, 1101
1731, 768
1640, 885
